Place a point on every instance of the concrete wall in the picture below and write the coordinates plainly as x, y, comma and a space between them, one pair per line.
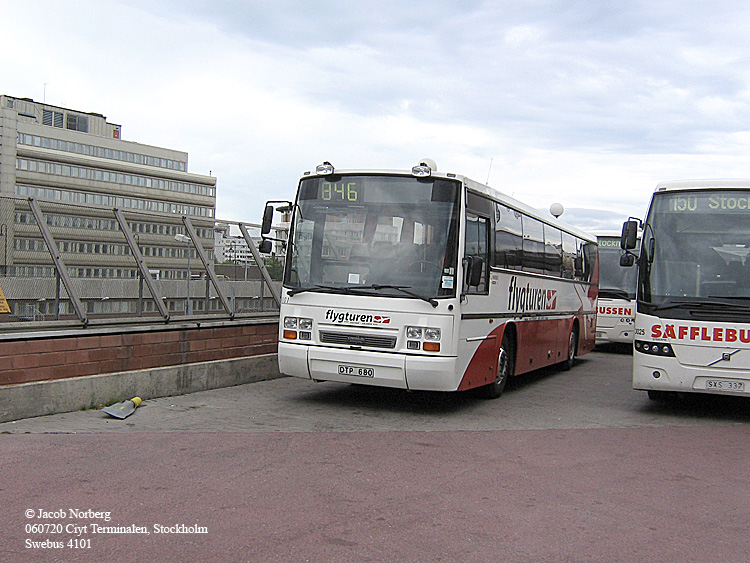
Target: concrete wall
84, 369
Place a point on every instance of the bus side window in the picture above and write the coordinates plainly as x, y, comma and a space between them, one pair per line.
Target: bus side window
508, 237
477, 229
568, 256
533, 245
553, 250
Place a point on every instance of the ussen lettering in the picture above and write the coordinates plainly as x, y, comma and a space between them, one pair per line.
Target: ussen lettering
700, 333
619, 311
527, 298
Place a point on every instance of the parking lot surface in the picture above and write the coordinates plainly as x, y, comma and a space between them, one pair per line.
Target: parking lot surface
564, 467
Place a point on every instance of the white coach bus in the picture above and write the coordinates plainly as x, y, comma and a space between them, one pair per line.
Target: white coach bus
428, 281
692, 324
615, 317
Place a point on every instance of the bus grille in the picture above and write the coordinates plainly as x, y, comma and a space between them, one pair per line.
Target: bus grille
358, 340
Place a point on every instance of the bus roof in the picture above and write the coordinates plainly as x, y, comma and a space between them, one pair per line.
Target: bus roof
674, 185
477, 187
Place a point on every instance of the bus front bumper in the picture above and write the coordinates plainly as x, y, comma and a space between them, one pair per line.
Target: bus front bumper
664, 374
394, 370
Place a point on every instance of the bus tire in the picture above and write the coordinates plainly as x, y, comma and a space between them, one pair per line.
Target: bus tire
505, 361
572, 349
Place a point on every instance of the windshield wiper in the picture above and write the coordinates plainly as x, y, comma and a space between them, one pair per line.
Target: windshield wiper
327, 288
699, 305
614, 294
357, 290
402, 288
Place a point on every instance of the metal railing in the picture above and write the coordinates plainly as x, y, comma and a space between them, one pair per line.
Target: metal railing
91, 265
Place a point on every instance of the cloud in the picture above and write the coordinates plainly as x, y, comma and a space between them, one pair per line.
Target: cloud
590, 104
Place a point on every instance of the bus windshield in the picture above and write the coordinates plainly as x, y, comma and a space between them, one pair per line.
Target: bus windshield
694, 258
379, 234
615, 282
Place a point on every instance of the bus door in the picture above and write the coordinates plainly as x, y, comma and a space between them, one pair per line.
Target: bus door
478, 335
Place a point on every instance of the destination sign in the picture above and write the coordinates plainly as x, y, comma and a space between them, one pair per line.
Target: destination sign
609, 242
341, 190
348, 190
726, 202
358, 190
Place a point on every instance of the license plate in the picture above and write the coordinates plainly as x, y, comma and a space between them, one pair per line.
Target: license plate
356, 371
725, 385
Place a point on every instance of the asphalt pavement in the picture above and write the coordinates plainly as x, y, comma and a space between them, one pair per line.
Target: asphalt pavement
564, 467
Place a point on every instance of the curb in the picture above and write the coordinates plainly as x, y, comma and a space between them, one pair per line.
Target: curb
41, 398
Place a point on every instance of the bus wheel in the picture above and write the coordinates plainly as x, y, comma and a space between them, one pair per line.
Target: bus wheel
505, 362
572, 348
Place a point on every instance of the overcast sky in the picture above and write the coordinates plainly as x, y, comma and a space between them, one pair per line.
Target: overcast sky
587, 103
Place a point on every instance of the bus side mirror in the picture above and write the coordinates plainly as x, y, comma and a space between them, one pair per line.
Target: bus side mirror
627, 260
265, 227
474, 270
265, 247
629, 237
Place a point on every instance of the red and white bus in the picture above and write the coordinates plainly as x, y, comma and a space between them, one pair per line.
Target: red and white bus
615, 317
428, 281
692, 324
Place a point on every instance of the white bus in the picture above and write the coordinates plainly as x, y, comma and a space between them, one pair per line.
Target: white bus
692, 324
428, 281
615, 317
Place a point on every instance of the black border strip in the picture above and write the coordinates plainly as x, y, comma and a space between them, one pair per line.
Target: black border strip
522, 316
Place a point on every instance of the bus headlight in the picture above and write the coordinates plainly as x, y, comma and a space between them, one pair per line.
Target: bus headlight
654, 348
415, 335
293, 324
432, 334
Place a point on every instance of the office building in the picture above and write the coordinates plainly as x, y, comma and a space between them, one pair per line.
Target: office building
79, 161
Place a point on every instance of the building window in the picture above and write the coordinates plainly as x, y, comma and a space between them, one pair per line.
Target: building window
78, 122
52, 118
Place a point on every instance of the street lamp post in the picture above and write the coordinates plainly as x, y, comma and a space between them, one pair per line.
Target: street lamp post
187, 240
4, 234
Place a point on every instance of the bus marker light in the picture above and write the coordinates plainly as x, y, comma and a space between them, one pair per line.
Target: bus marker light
431, 346
290, 334
325, 169
412, 344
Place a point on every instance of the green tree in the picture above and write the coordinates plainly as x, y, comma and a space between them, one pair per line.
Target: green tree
275, 267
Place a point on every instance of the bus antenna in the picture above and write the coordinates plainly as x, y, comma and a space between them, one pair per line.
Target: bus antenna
488, 171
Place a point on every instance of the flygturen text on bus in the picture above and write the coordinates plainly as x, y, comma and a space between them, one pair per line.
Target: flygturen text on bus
423, 280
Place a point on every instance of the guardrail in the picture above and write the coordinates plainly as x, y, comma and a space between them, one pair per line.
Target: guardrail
66, 264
